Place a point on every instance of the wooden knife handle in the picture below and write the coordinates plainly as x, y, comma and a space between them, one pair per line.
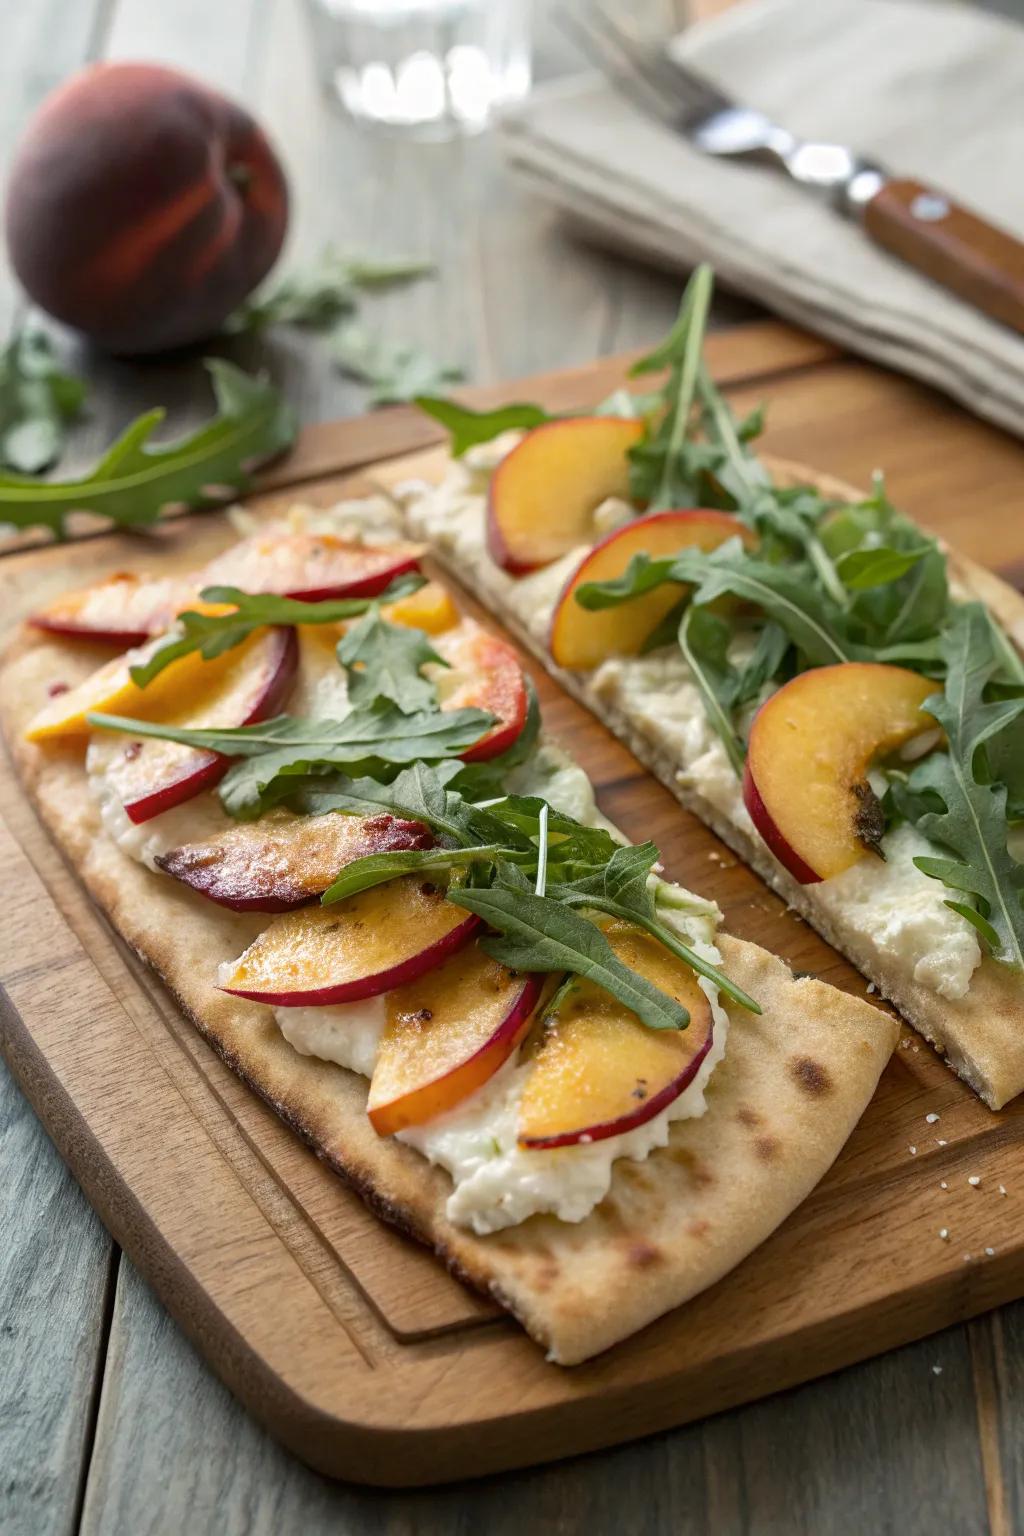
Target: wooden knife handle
951, 245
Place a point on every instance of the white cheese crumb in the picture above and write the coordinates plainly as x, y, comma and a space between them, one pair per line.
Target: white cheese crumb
931, 1119
936, 1370
944, 1234
967, 1258
990, 1252
912, 1151
940, 1141
974, 1180
943, 1184
871, 988
1002, 1189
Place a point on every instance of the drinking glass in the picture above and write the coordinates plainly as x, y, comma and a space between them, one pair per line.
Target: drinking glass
431, 67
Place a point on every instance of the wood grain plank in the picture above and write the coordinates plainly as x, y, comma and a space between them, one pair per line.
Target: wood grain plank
890, 1446
56, 1263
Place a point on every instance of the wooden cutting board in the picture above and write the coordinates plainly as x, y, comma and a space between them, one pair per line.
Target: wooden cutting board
349, 1343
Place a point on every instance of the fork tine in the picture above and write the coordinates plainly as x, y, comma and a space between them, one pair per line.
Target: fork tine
680, 91
618, 65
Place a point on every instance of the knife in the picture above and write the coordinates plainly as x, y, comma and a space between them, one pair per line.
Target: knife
949, 243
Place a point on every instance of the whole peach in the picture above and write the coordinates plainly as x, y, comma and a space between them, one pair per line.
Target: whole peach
143, 207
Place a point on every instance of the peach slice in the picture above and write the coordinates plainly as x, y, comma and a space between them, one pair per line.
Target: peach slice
544, 493
446, 1034
805, 783
380, 939
125, 610
581, 638
483, 672
431, 609
285, 861
151, 776
598, 1071
310, 566
110, 690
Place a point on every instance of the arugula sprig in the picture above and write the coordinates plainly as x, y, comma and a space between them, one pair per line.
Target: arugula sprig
971, 823
136, 479
211, 634
516, 848
271, 755
37, 401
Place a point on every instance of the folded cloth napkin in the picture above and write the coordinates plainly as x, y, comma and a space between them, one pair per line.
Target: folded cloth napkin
932, 90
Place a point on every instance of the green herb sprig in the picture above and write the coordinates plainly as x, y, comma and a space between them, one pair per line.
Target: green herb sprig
137, 480
211, 634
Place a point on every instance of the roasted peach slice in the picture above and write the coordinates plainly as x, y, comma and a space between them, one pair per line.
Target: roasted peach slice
310, 566
125, 610
581, 638
151, 776
483, 672
446, 1034
431, 609
811, 744
382, 938
598, 1071
544, 493
110, 690
284, 861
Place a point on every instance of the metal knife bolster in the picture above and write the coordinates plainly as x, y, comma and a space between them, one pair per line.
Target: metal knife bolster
833, 171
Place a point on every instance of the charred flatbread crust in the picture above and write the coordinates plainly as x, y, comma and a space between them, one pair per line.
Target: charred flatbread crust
980, 1035
793, 1084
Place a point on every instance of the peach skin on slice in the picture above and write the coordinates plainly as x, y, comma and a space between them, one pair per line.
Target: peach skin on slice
581, 638
309, 566
598, 1071
544, 494
284, 861
124, 610
151, 776
380, 939
446, 1034
811, 744
483, 672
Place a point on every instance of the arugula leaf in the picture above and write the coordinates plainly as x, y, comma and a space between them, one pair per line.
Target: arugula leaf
136, 480
286, 746
972, 823
622, 889
861, 569
319, 295
383, 662
704, 642
379, 868
417, 794
211, 634
467, 428
538, 934
658, 475
784, 593
767, 662
396, 371
37, 400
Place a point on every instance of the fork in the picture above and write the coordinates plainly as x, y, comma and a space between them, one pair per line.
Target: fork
947, 242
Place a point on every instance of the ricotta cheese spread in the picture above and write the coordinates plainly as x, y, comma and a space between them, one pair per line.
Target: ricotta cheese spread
900, 912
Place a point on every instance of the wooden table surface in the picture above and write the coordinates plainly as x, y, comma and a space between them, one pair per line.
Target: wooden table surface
109, 1422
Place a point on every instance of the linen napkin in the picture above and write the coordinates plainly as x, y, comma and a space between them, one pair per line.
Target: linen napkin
931, 89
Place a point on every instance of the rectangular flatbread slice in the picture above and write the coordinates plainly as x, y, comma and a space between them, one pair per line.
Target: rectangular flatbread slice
981, 1033
780, 1106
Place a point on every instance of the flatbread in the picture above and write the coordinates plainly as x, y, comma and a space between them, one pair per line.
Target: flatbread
981, 1035
793, 1084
